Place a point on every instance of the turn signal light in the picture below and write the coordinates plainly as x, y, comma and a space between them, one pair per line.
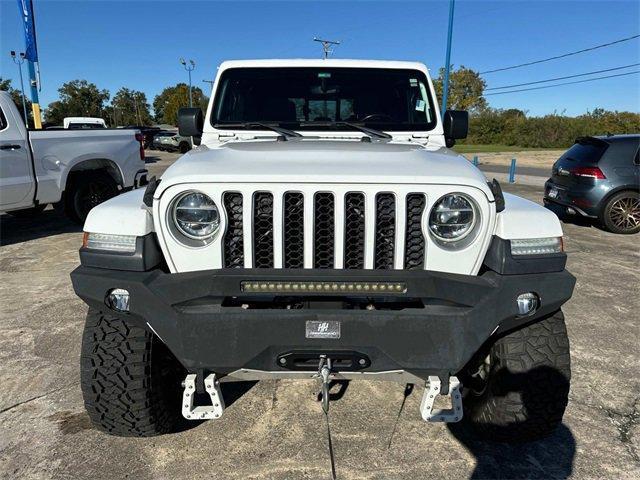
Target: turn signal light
106, 241
536, 246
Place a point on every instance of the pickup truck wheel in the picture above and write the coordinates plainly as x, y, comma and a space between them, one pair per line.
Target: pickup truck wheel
130, 381
526, 384
86, 191
28, 212
621, 214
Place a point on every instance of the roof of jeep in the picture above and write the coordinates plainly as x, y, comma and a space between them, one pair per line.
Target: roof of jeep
315, 62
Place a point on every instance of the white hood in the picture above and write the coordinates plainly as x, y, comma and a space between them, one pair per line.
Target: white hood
323, 161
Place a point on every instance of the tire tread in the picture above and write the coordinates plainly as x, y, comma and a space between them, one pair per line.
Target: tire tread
124, 392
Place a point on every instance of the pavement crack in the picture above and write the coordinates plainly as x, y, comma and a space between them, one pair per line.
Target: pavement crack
624, 423
37, 397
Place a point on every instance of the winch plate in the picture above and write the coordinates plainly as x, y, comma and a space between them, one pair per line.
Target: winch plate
307, 360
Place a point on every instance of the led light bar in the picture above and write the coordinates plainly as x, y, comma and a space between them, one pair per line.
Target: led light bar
536, 246
107, 241
367, 288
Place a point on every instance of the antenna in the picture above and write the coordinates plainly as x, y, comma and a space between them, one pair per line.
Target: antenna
326, 46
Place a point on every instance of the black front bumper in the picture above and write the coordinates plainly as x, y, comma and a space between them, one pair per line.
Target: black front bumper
187, 311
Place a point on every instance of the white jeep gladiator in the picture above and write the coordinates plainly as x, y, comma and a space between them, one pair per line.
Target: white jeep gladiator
323, 229
75, 169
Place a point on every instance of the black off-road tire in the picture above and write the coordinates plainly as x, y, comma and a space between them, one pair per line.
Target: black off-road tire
527, 388
184, 147
131, 383
613, 213
86, 190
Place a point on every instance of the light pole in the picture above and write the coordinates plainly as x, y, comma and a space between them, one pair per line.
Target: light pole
447, 67
189, 68
19, 61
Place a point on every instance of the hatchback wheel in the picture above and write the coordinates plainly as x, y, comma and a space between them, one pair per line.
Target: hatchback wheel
621, 214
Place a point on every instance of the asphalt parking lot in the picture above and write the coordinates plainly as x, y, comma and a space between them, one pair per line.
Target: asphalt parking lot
276, 429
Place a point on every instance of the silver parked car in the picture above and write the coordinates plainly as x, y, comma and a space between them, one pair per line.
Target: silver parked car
171, 142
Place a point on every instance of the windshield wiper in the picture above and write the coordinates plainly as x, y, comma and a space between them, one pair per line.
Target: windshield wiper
367, 130
372, 132
285, 133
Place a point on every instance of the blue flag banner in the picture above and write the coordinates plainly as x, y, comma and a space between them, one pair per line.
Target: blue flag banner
26, 12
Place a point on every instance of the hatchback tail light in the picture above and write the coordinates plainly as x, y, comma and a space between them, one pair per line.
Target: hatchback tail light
591, 172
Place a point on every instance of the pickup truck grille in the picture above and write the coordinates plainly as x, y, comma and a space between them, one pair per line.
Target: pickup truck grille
323, 231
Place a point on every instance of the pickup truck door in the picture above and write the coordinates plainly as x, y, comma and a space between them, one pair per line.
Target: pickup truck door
16, 174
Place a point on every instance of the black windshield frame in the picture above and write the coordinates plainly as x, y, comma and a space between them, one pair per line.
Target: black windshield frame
397, 115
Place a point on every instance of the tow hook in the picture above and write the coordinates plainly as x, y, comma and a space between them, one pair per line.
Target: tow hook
324, 372
202, 412
435, 388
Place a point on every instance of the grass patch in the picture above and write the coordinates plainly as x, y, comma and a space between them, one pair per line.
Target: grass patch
473, 148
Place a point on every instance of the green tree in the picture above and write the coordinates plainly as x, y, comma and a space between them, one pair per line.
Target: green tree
171, 99
130, 107
466, 89
55, 113
555, 130
78, 98
16, 96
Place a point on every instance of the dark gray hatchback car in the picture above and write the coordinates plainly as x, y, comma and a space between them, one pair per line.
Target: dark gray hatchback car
599, 178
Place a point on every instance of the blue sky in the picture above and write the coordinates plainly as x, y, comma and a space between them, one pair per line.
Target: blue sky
137, 43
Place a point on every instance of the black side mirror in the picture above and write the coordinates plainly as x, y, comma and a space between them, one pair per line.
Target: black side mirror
456, 124
190, 122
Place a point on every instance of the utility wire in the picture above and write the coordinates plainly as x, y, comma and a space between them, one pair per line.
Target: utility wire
563, 78
564, 83
561, 56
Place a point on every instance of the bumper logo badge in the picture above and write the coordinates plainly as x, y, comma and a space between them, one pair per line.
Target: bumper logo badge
318, 329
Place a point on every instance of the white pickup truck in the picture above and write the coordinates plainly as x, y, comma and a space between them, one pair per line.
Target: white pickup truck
77, 169
322, 229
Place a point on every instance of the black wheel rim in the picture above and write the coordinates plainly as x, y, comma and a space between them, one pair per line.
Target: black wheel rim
92, 195
625, 213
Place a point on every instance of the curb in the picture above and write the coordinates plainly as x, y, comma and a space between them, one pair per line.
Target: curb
503, 178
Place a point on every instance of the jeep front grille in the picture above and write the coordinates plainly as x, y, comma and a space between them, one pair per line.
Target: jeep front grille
263, 230
324, 230
293, 234
354, 230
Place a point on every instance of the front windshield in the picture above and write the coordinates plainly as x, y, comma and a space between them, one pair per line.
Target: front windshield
315, 98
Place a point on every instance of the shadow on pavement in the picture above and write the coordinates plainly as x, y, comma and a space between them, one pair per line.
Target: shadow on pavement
150, 158
233, 391
549, 457
45, 224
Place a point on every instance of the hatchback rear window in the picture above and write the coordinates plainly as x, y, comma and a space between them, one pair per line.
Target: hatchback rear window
586, 151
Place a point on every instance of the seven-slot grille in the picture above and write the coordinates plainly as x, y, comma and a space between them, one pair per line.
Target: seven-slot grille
331, 233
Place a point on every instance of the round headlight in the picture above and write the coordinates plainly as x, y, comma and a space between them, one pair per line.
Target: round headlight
196, 216
452, 217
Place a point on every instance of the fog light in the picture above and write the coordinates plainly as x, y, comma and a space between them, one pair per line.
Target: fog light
527, 303
118, 300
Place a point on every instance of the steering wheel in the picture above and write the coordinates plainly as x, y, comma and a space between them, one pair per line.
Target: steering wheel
378, 116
